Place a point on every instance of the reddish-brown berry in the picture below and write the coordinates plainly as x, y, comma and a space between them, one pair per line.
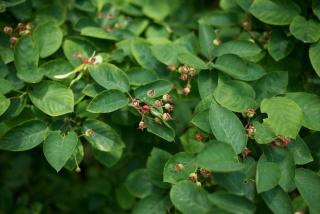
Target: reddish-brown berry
84, 60
144, 109
193, 177
198, 136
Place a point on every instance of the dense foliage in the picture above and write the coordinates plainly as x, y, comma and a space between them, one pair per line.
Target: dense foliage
164, 106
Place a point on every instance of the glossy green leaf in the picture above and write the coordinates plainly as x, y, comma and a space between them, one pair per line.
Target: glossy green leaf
103, 138
168, 53
48, 37
4, 104
264, 133
52, 98
58, 148
307, 31
278, 201
274, 12
24, 136
190, 143
56, 67
239, 68
308, 184
26, 57
189, 198
172, 174
140, 76
192, 61
156, 10
76, 49
241, 48
153, 204
284, 116
219, 157
227, 127
314, 54
279, 45
139, 183
310, 106
300, 151
108, 101
97, 32
235, 95
160, 87
232, 203
267, 175
206, 37
109, 76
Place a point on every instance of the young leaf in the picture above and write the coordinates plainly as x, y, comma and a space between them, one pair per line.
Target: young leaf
108, 101
305, 31
24, 136
284, 116
189, 198
227, 127
58, 149
48, 37
52, 98
274, 12
109, 76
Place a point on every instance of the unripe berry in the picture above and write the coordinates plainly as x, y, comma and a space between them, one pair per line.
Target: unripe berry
246, 152
168, 107
179, 167
84, 60
91, 60
250, 112
135, 103
78, 169
193, 177
192, 72
172, 67
13, 41
158, 103
198, 183
90, 133
151, 93
167, 98
110, 16
166, 117
217, 41
183, 77
186, 91
108, 29
100, 15
29, 26
205, 173
251, 130
198, 136
7, 30
142, 125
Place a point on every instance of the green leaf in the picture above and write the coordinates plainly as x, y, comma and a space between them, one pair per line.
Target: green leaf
300, 151
188, 141
201, 120
189, 198
232, 203
227, 127
207, 83
284, 116
235, 95
124, 198
278, 201
139, 184
109, 158
104, 138
239, 68
173, 175
218, 157
267, 175
75, 49
109, 76
55, 67
274, 12
263, 134
52, 98
310, 106
241, 48
97, 32
157, 10
108, 101
5, 86
168, 53
163, 131
24, 136
26, 57
4, 104
140, 76
308, 184
314, 54
153, 204
316, 8
160, 87
192, 61
305, 31
272, 84
142, 53
58, 149
279, 45
48, 37
206, 36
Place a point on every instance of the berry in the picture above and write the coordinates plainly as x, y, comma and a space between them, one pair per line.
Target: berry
284, 142
198, 136
193, 177
205, 173
110, 16
166, 117
7, 30
192, 72
100, 15
167, 98
144, 109
168, 107
135, 103
78, 169
246, 152
142, 125
29, 26
217, 41
108, 29
250, 112
13, 41
84, 60
179, 167
90, 133
151, 93
186, 91
158, 103
172, 67
183, 77
250, 129
198, 183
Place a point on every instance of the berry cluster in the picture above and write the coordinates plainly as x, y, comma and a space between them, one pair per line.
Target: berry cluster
186, 74
112, 23
20, 30
280, 141
160, 109
201, 176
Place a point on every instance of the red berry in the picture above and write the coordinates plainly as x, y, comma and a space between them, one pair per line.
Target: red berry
198, 136
84, 60
144, 109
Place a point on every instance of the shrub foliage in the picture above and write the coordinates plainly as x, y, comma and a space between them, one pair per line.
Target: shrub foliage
164, 106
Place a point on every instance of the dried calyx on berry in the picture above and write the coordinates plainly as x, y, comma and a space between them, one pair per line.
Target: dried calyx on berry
167, 98
245, 153
166, 117
158, 103
250, 130
90, 133
186, 90
7, 30
135, 103
205, 173
168, 107
250, 112
198, 136
179, 167
151, 93
193, 177
142, 125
